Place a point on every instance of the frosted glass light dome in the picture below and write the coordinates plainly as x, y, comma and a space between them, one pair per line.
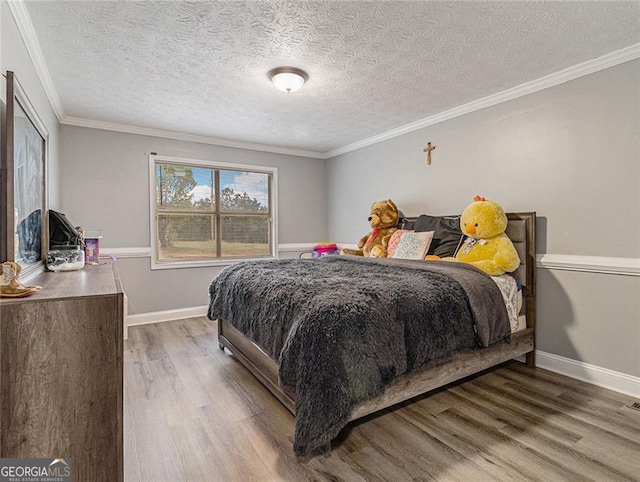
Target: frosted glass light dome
288, 79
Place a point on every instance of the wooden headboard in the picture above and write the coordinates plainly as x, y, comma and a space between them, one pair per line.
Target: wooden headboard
521, 229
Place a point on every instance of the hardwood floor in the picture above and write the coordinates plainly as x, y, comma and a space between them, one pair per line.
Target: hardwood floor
193, 413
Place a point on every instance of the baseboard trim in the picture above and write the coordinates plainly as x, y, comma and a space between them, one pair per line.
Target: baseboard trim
595, 375
167, 315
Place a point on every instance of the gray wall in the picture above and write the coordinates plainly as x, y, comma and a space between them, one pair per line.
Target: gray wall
571, 153
15, 57
106, 185
590, 317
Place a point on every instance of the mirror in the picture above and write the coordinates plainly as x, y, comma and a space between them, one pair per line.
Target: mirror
23, 222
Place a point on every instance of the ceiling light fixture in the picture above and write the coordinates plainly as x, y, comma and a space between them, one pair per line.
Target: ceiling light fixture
288, 79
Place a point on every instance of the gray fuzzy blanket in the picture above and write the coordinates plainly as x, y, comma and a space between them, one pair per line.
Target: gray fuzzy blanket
343, 327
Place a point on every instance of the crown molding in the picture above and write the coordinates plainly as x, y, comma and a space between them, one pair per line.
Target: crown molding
580, 70
180, 136
30, 38
28, 34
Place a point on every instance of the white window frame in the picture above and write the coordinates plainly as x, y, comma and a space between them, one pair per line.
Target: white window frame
157, 264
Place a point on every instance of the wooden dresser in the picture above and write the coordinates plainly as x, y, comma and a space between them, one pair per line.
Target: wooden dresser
61, 383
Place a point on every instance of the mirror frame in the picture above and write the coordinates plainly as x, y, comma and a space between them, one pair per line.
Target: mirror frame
10, 193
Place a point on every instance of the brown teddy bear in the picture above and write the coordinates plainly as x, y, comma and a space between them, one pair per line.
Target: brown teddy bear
384, 222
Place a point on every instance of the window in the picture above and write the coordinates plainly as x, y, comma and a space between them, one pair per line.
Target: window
206, 213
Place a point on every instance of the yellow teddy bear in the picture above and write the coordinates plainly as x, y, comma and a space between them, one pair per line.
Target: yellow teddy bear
487, 246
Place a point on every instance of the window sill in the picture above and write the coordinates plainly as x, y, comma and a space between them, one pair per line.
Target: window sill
203, 264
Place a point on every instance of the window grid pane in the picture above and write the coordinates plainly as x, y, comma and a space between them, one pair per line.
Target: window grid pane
186, 218
186, 236
244, 191
184, 188
245, 236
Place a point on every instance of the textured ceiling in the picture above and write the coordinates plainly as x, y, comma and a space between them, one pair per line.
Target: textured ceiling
200, 67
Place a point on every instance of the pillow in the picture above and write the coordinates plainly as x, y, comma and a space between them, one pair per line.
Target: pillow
447, 233
394, 240
407, 225
413, 245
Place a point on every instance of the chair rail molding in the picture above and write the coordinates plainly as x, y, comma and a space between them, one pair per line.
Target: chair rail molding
590, 264
567, 262
145, 251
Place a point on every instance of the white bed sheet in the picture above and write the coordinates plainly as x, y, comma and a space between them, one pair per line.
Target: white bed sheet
512, 299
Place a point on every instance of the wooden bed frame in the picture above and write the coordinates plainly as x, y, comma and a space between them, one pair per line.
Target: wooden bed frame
521, 230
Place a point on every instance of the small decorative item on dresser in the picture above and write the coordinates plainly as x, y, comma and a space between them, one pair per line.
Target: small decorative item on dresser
92, 239
65, 258
10, 286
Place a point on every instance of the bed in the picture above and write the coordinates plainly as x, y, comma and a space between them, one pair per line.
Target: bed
431, 323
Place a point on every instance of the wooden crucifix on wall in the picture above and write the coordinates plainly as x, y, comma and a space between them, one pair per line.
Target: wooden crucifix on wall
428, 150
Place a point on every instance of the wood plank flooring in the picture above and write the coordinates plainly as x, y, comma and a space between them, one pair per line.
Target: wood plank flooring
193, 413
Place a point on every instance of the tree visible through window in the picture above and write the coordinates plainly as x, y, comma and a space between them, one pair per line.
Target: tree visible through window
208, 213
